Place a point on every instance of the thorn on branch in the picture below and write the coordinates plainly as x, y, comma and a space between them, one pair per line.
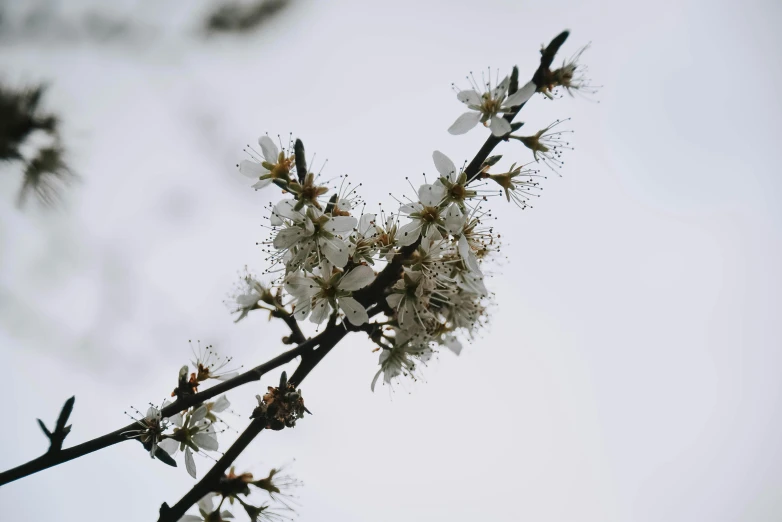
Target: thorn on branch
61, 431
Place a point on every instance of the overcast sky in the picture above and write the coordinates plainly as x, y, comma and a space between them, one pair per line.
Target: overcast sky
631, 370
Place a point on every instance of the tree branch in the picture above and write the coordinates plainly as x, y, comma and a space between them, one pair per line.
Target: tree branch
331, 336
49, 460
312, 351
213, 476
297, 336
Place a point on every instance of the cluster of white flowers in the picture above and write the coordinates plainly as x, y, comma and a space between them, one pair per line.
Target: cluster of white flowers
191, 431
326, 252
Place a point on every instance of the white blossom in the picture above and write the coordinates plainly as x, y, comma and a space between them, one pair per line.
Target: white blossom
274, 166
486, 107
321, 296
453, 181
426, 213
314, 233
403, 359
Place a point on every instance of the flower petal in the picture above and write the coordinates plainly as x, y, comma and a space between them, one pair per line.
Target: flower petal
409, 208
221, 404
177, 420
431, 195
521, 96
252, 169
206, 503
499, 126
409, 233
302, 309
501, 89
454, 219
189, 462
287, 237
354, 312
170, 446
444, 165
301, 287
320, 311
465, 122
206, 441
365, 224
270, 151
199, 414
262, 183
335, 250
357, 278
393, 300
285, 210
247, 300
453, 344
340, 224
469, 97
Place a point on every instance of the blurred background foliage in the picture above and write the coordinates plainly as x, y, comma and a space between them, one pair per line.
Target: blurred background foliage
30, 136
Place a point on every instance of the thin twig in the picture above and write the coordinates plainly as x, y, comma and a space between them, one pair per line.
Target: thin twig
209, 483
49, 460
213, 476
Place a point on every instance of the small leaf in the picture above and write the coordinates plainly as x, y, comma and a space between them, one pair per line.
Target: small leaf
283, 381
492, 160
163, 456
516, 126
189, 462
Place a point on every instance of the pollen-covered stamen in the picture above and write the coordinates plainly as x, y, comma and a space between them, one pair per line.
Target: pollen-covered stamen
572, 76
518, 184
429, 215
210, 365
307, 193
547, 145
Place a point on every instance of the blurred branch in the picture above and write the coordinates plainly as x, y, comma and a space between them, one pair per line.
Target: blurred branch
237, 17
24, 127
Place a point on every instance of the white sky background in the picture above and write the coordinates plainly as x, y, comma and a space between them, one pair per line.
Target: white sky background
632, 368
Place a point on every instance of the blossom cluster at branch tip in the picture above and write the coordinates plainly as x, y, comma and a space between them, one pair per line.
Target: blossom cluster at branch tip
413, 279
191, 431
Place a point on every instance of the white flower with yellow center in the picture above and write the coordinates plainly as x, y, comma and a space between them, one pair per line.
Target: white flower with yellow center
275, 165
486, 107
320, 295
427, 213
310, 232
